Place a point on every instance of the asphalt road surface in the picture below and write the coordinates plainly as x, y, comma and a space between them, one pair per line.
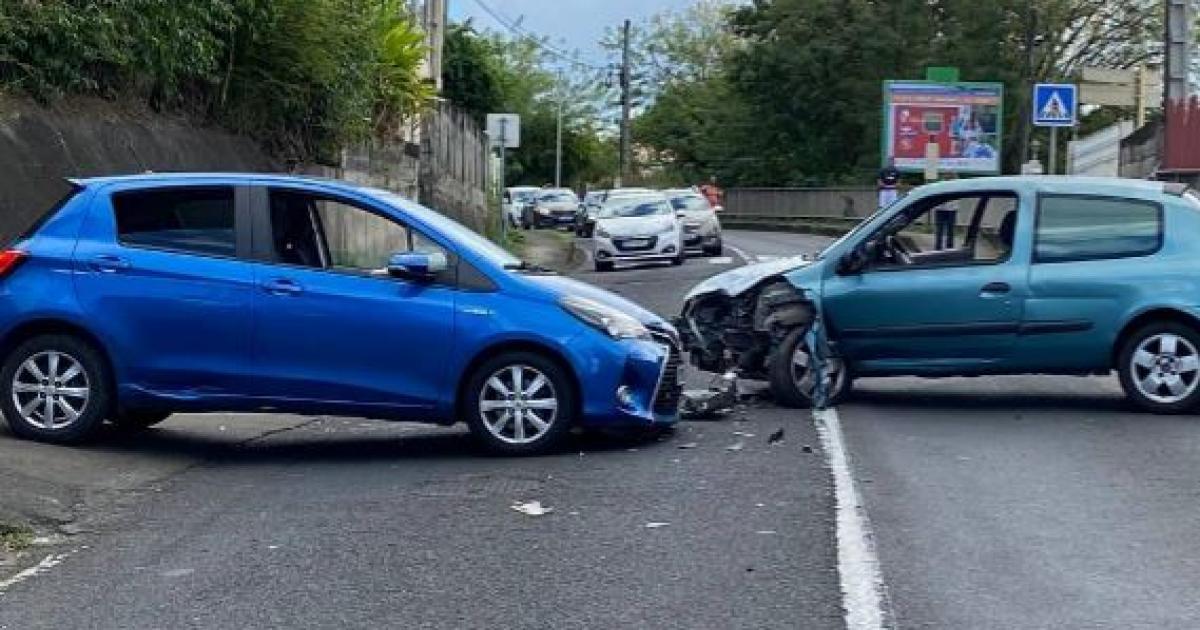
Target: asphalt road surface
1023, 502
351, 523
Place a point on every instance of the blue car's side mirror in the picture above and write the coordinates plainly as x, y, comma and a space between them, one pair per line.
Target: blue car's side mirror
417, 265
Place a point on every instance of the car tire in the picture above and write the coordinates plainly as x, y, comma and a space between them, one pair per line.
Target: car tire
87, 378
678, 260
789, 378
138, 420
715, 250
1154, 357
603, 266
543, 380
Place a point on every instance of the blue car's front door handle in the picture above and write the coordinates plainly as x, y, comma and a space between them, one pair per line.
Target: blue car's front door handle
282, 286
107, 263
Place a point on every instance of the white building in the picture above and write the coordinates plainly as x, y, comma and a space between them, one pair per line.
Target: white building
1100, 153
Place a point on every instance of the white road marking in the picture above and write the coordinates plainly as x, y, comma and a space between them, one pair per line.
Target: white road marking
858, 566
46, 564
721, 260
766, 257
740, 253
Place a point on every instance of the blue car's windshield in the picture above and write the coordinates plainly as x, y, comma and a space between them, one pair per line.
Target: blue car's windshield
453, 230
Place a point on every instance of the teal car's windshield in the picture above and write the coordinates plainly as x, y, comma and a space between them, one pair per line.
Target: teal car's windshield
858, 228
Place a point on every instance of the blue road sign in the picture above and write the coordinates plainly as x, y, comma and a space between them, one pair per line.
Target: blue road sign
1054, 104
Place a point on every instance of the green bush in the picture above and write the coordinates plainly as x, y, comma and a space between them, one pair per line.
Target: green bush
305, 76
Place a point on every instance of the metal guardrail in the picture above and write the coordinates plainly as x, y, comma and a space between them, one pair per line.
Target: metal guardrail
844, 202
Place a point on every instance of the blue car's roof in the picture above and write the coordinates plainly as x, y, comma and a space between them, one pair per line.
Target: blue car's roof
186, 177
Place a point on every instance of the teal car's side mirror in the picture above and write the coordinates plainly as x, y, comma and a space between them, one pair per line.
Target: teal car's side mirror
417, 265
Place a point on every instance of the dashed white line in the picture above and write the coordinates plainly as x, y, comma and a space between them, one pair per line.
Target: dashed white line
46, 564
858, 565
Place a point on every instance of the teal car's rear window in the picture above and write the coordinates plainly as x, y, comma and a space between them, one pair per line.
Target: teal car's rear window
1089, 228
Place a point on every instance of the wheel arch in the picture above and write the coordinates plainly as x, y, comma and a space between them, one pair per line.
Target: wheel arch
1156, 314
58, 326
516, 345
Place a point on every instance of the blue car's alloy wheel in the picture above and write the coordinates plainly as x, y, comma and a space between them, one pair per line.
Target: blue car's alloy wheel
51, 389
519, 402
56, 388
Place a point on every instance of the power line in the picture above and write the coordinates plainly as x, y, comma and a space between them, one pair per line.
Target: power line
536, 40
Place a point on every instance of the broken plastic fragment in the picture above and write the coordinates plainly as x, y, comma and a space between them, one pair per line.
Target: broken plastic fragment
687, 445
656, 525
532, 508
736, 446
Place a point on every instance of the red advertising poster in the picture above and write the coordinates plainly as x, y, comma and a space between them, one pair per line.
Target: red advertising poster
963, 119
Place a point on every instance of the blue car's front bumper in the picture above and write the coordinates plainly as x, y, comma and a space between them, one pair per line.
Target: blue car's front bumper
647, 369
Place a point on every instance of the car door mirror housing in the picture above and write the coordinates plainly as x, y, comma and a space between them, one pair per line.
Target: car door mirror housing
850, 263
417, 265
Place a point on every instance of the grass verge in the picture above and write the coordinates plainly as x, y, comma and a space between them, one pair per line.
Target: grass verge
15, 537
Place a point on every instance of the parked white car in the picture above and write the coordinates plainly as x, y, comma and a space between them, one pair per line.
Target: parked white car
515, 199
701, 227
637, 228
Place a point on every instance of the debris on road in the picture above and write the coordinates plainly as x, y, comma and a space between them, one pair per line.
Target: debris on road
656, 525
737, 446
708, 404
806, 448
776, 437
532, 508
688, 445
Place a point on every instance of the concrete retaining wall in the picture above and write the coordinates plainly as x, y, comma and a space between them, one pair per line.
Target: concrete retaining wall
40, 146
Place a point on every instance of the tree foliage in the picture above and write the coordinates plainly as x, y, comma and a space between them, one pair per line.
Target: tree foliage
797, 96
303, 75
488, 73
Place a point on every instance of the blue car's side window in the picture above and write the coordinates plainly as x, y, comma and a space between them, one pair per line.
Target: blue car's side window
197, 220
325, 232
1074, 227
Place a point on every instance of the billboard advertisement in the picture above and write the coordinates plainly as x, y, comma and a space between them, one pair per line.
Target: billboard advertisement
964, 119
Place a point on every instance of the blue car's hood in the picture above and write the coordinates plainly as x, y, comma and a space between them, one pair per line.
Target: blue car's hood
563, 286
736, 281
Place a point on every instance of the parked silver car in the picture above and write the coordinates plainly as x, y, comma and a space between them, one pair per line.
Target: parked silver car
701, 227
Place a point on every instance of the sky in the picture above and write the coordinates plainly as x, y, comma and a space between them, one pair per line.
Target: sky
573, 25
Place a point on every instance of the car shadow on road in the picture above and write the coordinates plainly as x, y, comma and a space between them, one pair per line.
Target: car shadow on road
340, 444
992, 401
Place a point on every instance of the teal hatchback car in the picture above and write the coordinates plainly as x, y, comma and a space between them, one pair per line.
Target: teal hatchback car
1004, 275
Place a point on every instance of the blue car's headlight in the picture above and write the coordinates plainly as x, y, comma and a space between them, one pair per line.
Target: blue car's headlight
616, 324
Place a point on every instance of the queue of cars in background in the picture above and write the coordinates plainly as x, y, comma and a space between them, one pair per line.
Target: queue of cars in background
639, 224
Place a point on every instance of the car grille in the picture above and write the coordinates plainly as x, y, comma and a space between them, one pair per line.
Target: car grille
666, 398
622, 244
691, 228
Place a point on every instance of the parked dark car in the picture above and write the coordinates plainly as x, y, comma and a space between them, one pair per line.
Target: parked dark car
550, 208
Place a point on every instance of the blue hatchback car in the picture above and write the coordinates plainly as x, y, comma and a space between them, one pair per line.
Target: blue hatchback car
136, 297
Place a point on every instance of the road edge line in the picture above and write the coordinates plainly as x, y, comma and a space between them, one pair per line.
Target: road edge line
858, 564
740, 253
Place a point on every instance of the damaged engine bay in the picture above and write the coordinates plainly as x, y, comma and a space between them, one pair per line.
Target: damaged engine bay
766, 330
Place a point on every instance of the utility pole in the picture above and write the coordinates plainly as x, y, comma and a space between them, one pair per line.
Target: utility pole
558, 136
626, 103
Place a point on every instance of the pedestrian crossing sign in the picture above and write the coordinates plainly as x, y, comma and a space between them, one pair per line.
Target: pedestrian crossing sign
1054, 104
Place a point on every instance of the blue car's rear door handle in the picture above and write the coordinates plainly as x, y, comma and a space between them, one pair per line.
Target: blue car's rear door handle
107, 263
282, 286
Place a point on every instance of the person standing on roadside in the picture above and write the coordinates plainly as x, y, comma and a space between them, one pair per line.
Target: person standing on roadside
712, 192
888, 183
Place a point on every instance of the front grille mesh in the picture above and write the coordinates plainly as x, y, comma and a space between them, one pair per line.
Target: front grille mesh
666, 399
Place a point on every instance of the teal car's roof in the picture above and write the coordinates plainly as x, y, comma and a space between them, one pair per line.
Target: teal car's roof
1065, 184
